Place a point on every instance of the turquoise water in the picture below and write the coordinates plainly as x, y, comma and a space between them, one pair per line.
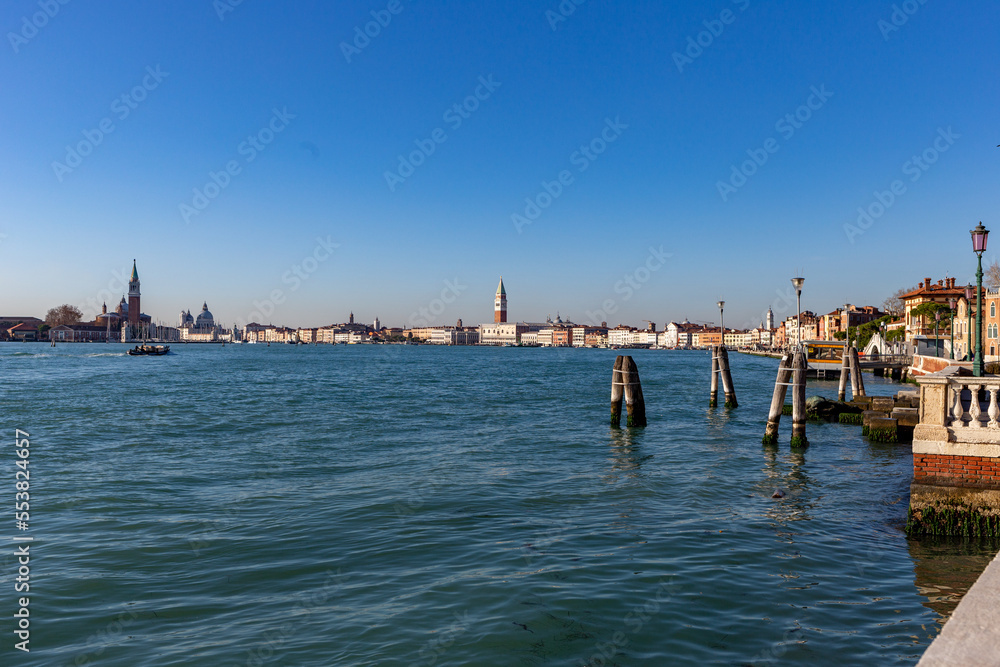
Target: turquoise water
403, 505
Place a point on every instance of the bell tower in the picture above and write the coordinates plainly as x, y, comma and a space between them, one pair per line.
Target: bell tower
133, 296
500, 304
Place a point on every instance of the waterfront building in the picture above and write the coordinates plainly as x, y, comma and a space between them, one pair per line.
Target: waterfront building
420, 333
502, 333
737, 339
454, 336
991, 325
678, 335
928, 292
581, 333
24, 332
705, 337
80, 333
556, 334
809, 325
201, 329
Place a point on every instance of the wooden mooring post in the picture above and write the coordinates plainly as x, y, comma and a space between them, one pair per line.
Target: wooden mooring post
845, 371
625, 383
857, 382
778, 400
617, 392
713, 400
799, 366
727, 378
635, 404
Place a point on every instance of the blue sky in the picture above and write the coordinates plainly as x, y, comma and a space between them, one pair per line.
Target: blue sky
643, 109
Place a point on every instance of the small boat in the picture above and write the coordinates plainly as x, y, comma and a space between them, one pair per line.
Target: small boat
148, 350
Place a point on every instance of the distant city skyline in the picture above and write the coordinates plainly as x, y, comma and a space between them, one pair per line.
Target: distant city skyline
271, 150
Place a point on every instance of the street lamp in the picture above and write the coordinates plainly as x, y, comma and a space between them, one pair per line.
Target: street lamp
797, 282
937, 321
722, 320
968, 324
951, 308
847, 328
979, 235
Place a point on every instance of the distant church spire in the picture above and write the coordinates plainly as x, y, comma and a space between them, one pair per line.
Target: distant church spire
500, 304
134, 296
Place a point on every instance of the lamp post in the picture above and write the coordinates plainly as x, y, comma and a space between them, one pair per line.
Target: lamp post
968, 324
847, 329
951, 309
979, 235
722, 321
937, 321
797, 282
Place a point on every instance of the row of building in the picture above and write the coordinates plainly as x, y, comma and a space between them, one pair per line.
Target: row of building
952, 333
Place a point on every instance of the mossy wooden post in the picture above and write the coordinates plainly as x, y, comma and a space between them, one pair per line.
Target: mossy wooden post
727, 378
856, 373
845, 370
778, 400
799, 365
634, 402
713, 400
853, 370
617, 391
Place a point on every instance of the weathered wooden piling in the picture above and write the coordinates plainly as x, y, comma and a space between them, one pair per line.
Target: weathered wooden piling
799, 365
727, 378
845, 370
713, 400
617, 392
634, 402
857, 382
778, 400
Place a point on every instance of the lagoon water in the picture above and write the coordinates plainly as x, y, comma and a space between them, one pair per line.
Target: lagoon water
403, 505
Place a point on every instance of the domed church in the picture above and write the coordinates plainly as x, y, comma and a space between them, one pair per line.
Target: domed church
202, 327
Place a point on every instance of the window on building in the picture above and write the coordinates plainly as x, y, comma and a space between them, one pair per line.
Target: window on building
993, 309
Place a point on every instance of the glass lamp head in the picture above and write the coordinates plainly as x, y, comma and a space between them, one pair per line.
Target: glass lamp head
979, 236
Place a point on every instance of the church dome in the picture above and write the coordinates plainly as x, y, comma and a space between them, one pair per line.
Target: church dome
205, 318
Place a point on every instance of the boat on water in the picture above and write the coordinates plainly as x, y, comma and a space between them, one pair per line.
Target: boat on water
825, 357
148, 350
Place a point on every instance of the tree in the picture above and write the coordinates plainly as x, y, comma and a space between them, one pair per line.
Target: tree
893, 305
863, 334
64, 314
928, 309
991, 277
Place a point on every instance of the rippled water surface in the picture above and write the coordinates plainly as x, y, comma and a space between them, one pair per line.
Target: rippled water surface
402, 505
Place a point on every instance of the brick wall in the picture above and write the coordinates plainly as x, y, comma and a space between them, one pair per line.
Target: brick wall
923, 365
968, 471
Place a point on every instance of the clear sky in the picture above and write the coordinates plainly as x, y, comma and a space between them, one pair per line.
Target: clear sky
271, 158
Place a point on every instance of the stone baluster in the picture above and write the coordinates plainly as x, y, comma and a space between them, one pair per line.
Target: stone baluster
994, 409
957, 411
974, 409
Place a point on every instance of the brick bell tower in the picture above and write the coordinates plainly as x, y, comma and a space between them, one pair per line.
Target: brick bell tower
500, 304
133, 296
